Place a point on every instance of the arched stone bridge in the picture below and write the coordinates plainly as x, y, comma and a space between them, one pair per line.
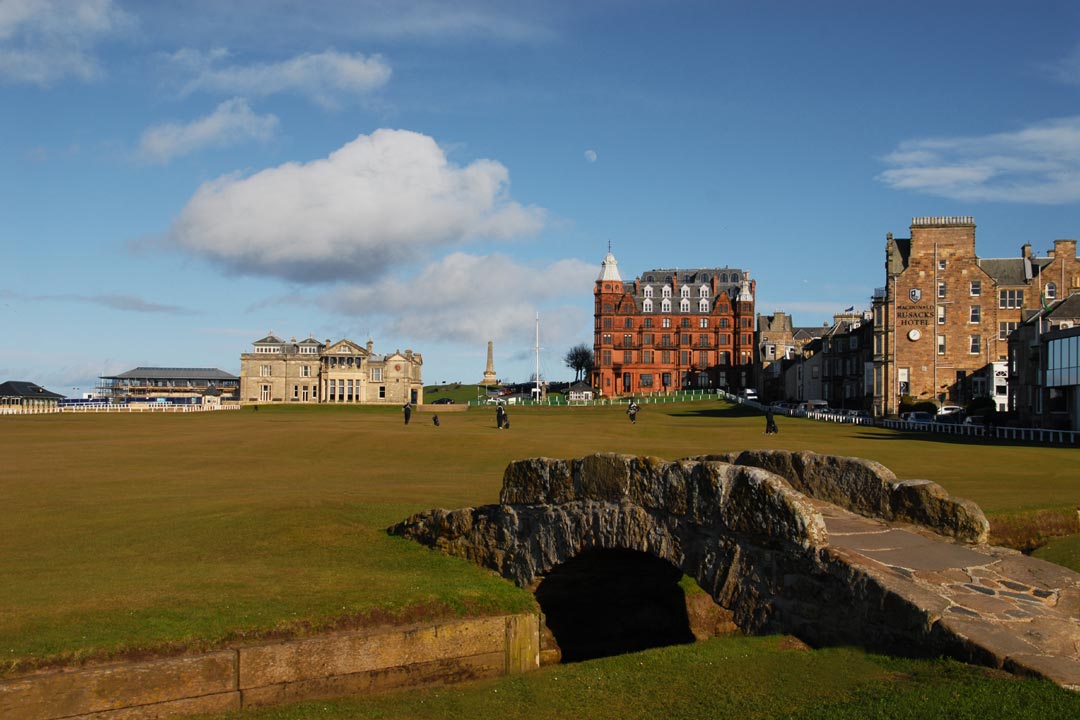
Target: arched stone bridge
832, 550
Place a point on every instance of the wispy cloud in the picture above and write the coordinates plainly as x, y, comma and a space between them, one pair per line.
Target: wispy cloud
1039, 164
325, 78
44, 41
126, 303
380, 200
465, 298
232, 122
1066, 69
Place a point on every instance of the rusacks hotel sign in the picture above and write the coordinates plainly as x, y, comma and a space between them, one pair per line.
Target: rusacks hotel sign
914, 314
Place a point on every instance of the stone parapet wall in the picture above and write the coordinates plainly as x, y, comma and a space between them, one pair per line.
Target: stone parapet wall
268, 674
870, 489
742, 499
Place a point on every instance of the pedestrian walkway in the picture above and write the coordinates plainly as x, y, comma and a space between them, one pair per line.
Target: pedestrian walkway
1010, 611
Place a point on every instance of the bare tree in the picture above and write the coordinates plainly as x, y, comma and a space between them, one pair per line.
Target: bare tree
579, 359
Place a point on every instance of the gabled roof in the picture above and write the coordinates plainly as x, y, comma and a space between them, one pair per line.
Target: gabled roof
269, 340
26, 389
580, 386
348, 346
157, 373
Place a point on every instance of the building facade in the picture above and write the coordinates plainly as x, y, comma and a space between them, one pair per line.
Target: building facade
1044, 364
176, 385
672, 329
944, 315
312, 372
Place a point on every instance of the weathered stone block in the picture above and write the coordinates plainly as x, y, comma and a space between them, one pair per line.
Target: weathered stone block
926, 503
85, 691
537, 481
351, 653
602, 477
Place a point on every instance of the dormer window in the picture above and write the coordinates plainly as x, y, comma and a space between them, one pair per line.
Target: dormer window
665, 305
666, 292
648, 291
646, 305
703, 305
723, 277
684, 305
704, 292
684, 291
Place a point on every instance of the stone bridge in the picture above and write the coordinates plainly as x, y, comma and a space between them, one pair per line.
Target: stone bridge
832, 550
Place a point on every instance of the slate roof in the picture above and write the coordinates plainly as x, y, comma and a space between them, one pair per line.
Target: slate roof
1066, 309
25, 389
1012, 271
269, 340
157, 373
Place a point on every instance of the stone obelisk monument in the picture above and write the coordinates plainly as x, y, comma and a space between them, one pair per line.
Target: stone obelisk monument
489, 373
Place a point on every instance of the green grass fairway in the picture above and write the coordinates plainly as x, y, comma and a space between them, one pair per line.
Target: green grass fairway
127, 533
723, 679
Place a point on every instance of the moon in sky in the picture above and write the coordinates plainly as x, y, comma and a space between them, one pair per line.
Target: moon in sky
590, 156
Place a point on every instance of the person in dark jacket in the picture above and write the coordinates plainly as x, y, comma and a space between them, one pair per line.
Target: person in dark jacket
770, 423
407, 409
500, 416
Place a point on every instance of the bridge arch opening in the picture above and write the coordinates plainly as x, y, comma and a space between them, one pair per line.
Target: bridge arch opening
610, 602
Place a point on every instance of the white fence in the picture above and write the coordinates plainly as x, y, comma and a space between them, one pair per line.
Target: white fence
116, 408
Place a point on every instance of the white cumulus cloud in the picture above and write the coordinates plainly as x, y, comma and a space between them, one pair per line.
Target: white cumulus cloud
1039, 164
323, 77
465, 298
43, 41
380, 200
232, 122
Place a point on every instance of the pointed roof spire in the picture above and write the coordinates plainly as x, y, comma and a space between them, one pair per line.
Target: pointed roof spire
609, 268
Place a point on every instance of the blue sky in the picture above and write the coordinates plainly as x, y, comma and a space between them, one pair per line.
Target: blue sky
178, 179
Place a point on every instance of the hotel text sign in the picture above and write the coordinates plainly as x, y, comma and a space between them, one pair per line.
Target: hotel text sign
914, 315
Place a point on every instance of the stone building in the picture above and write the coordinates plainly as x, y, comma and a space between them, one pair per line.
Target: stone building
673, 329
944, 315
328, 372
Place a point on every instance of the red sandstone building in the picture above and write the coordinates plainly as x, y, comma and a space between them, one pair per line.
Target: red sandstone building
672, 329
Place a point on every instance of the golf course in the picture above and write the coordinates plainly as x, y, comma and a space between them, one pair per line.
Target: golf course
137, 535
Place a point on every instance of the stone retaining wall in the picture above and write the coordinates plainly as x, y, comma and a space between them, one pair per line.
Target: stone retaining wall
255, 676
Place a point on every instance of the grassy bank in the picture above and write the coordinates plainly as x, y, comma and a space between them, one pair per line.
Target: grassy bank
131, 533
744, 678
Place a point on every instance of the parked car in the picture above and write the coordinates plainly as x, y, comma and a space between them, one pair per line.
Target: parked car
919, 417
975, 420
444, 401
950, 410
749, 394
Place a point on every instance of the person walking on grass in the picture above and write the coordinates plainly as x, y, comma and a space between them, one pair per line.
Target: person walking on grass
435, 420
770, 423
500, 416
632, 411
407, 409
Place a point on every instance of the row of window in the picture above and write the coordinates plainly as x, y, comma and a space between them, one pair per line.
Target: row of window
303, 349
974, 344
684, 291
628, 323
667, 357
305, 371
648, 339
1007, 299
665, 306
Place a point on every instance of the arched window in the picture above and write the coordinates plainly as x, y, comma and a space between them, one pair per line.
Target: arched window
1051, 291
684, 305
665, 305
703, 305
666, 292
734, 277
723, 277
684, 291
704, 292
646, 305
648, 291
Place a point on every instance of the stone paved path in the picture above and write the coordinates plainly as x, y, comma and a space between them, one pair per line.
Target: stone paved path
1011, 610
